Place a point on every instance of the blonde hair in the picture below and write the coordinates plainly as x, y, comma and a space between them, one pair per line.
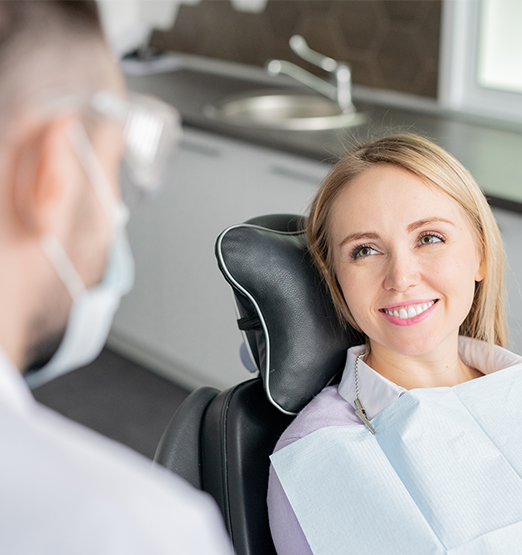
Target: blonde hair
486, 319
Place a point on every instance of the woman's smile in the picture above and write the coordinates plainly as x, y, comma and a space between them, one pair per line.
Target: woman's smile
408, 314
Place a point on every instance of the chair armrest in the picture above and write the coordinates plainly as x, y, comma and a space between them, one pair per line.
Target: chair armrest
179, 448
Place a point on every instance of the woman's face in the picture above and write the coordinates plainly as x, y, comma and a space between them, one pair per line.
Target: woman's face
406, 260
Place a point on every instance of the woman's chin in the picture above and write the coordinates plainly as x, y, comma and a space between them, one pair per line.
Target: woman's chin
408, 347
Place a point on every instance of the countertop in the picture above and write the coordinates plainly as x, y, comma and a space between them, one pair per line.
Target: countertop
490, 150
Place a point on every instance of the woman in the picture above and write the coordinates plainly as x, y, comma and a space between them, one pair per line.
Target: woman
410, 453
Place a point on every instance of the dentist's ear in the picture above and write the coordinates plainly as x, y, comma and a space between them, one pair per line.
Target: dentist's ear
41, 177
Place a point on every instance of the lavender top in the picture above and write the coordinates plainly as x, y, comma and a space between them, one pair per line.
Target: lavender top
334, 406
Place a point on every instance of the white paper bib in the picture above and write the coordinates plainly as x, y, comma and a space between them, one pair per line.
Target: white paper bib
442, 475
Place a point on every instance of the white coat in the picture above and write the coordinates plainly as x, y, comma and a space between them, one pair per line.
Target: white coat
67, 490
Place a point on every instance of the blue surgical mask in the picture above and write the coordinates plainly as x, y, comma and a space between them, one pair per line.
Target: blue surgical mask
93, 308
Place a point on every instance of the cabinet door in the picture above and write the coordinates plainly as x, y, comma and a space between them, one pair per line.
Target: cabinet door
180, 318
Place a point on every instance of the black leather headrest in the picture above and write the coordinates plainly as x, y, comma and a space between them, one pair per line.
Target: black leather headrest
285, 309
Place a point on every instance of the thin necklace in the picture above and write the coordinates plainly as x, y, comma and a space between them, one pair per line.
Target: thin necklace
359, 409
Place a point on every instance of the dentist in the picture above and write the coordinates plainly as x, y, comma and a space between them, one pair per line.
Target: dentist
67, 122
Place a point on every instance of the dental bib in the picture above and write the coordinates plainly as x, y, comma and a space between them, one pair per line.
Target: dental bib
442, 475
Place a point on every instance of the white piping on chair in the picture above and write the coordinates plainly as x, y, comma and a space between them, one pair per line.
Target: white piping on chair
253, 301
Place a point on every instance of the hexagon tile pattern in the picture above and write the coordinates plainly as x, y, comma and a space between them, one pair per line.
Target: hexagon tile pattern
390, 44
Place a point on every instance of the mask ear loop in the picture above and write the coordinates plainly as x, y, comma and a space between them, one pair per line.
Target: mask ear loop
62, 264
92, 167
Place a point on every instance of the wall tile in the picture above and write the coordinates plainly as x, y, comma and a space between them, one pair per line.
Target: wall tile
399, 60
360, 23
391, 44
321, 32
403, 11
282, 16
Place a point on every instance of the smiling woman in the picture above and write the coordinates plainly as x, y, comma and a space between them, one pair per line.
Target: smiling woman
414, 260
418, 161
409, 281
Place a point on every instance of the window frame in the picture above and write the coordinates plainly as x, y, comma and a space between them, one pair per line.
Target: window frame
458, 85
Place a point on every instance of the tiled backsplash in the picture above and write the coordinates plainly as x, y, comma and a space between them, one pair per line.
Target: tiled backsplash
390, 44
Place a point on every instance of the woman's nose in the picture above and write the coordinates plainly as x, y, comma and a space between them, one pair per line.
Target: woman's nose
402, 272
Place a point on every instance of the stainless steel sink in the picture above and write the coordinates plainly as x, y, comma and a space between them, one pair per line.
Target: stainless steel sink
299, 112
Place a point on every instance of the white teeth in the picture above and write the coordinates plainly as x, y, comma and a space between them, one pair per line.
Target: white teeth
410, 311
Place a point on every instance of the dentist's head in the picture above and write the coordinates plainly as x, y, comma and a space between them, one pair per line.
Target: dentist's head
66, 125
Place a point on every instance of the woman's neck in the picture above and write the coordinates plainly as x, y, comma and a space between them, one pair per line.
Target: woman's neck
440, 368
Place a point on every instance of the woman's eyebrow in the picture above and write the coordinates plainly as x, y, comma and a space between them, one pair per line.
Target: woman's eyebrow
359, 236
412, 227
420, 223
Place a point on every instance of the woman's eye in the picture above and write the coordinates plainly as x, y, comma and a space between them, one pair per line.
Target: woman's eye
430, 239
363, 252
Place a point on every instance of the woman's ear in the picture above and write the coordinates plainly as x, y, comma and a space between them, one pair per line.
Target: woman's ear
481, 272
41, 176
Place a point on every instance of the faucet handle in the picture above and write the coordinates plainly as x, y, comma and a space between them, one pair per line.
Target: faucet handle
299, 45
342, 71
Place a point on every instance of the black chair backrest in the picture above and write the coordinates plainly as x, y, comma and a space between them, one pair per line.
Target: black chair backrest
222, 442
287, 314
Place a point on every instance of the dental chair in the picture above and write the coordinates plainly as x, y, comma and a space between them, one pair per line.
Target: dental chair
221, 441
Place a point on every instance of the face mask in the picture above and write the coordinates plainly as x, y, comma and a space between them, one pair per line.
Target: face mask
93, 309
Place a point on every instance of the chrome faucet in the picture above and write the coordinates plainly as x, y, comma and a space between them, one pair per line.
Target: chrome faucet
341, 92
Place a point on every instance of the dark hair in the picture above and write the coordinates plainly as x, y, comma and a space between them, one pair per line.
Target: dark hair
48, 47
84, 11
18, 16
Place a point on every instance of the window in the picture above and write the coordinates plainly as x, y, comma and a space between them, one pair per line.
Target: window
481, 58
